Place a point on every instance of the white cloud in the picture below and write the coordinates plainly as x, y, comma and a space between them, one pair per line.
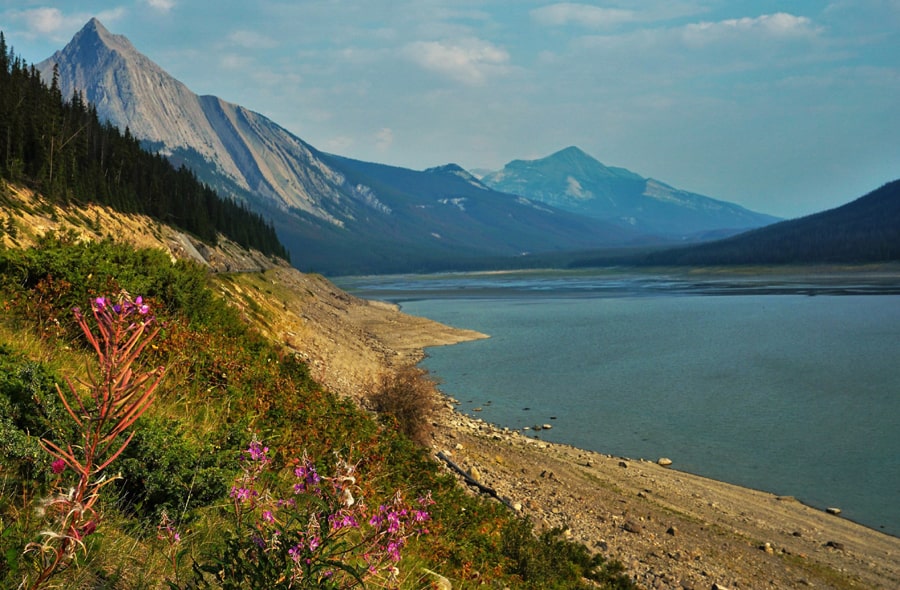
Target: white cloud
469, 61
384, 138
55, 24
161, 5
581, 14
231, 61
252, 40
778, 25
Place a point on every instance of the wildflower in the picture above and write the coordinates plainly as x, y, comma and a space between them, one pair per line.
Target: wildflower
314, 543
258, 452
268, 516
295, 551
341, 520
58, 466
242, 494
100, 303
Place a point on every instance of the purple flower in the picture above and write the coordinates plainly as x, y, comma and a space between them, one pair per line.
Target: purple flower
58, 466
242, 494
314, 543
268, 516
258, 452
100, 303
295, 551
341, 520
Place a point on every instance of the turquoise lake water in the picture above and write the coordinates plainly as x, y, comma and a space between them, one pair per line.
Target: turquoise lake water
751, 381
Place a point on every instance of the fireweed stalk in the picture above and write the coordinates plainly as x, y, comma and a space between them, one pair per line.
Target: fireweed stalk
321, 534
116, 397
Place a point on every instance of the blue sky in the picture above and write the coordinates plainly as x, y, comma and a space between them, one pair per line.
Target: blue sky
784, 107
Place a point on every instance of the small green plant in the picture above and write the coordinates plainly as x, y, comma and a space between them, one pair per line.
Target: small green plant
321, 534
116, 397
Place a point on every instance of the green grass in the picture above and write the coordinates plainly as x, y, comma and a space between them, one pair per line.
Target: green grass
225, 384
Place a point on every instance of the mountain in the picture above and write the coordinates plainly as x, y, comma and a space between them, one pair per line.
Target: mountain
335, 215
572, 180
233, 147
864, 230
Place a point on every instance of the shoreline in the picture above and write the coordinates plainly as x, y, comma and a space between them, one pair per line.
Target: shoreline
670, 529
662, 523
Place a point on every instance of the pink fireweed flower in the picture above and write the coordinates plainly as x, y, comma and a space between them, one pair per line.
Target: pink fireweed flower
58, 466
258, 452
242, 494
295, 552
342, 520
100, 303
268, 516
314, 543
308, 477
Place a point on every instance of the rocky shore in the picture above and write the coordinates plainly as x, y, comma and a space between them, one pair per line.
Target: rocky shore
670, 529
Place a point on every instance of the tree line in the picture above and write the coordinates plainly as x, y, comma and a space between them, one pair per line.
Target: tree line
60, 148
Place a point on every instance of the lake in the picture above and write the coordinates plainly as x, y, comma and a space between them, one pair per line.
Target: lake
785, 383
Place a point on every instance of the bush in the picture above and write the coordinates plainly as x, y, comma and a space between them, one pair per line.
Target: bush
409, 397
548, 561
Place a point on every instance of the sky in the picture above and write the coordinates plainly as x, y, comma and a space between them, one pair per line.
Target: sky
787, 108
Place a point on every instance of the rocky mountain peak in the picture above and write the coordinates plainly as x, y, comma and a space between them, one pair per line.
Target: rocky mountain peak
256, 156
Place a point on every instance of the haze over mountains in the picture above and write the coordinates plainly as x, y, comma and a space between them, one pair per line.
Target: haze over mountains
342, 216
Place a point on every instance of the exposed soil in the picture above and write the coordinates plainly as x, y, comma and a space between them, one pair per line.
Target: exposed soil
670, 529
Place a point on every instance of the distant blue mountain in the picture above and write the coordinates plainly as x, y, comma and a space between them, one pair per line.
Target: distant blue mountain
572, 180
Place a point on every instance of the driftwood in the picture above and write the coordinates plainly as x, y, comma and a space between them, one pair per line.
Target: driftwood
471, 480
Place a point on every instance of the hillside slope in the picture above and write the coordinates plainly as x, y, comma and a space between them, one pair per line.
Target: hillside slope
670, 529
864, 230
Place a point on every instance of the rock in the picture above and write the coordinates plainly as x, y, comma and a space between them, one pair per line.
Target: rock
458, 447
767, 547
719, 587
664, 461
835, 545
832, 510
440, 581
672, 531
517, 506
632, 526
474, 473
547, 426
623, 464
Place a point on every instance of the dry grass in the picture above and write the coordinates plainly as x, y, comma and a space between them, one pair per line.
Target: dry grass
409, 397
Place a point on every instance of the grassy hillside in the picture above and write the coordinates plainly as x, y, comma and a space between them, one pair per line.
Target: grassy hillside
194, 498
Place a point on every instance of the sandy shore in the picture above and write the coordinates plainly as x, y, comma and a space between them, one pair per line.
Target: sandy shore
670, 529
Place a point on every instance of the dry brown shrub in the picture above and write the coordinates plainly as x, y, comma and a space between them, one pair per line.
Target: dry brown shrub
408, 396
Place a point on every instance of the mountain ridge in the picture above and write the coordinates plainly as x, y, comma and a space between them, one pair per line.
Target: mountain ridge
866, 229
575, 181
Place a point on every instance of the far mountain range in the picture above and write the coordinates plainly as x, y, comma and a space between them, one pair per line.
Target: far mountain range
342, 216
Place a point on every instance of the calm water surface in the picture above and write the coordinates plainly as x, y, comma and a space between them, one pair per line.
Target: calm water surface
754, 381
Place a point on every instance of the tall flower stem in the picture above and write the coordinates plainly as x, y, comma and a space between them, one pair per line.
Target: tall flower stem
116, 397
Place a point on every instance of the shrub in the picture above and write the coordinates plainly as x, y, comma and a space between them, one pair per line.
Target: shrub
549, 561
320, 533
409, 397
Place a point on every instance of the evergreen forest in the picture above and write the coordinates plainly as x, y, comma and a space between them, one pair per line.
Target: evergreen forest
59, 147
